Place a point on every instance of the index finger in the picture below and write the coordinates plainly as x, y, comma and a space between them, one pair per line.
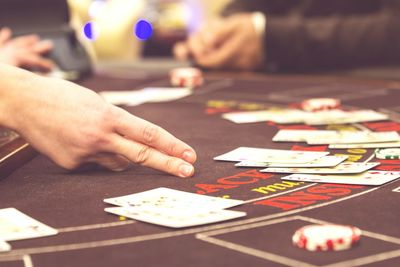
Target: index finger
5, 35
144, 132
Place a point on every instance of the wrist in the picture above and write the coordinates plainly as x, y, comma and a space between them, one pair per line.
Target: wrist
16, 84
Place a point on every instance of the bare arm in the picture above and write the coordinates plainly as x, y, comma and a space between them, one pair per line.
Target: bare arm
73, 125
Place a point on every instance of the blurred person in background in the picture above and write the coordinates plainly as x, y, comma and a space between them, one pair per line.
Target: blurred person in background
297, 35
24, 51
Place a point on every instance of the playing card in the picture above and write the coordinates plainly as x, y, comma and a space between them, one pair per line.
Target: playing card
173, 199
366, 178
4, 246
14, 225
166, 94
299, 135
346, 137
175, 218
326, 161
343, 168
342, 117
270, 155
146, 95
127, 98
366, 145
281, 116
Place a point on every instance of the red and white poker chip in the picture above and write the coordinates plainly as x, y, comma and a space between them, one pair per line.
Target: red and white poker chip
319, 104
186, 77
326, 237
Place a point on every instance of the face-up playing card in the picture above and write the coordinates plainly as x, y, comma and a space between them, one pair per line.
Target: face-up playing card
326, 161
299, 135
281, 116
343, 168
365, 145
4, 246
14, 225
321, 137
366, 178
175, 218
172, 199
270, 155
342, 117
347, 137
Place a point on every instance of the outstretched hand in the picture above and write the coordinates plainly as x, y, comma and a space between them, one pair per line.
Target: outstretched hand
24, 51
74, 125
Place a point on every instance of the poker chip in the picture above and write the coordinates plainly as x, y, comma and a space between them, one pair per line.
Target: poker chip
326, 237
319, 104
388, 153
186, 77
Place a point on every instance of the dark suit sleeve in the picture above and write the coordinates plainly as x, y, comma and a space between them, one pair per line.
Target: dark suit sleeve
298, 43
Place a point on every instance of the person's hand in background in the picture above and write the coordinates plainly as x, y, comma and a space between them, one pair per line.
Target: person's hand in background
226, 43
24, 51
73, 125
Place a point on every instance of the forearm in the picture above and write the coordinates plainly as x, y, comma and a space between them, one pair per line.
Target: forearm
15, 86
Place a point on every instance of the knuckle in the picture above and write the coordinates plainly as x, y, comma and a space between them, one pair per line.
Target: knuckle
173, 146
94, 141
143, 155
170, 165
151, 134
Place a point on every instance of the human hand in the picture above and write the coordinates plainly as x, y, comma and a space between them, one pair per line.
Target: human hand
24, 51
73, 125
226, 43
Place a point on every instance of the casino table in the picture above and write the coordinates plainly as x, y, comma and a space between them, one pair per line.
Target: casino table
72, 201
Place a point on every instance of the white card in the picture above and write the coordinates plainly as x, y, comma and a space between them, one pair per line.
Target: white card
326, 161
343, 168
354, 138
321, 137
174, 217
342, 117
366, 178
146, 95
365, 145
132, 98
299, 135
281, 116
4, 246
171, 198
270, 155
166, 94
14, 225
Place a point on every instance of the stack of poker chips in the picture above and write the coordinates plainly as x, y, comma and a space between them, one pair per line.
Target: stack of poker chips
326, 237
186, 77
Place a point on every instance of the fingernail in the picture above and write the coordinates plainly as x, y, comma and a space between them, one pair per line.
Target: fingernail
189, 156
185, 170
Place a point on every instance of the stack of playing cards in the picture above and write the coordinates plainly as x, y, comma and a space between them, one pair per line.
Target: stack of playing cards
146, 95
365, 178
290, 116
14, 225
174, 208
340, 139
309, 166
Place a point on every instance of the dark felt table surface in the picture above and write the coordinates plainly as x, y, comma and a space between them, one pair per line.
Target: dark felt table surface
72, 202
